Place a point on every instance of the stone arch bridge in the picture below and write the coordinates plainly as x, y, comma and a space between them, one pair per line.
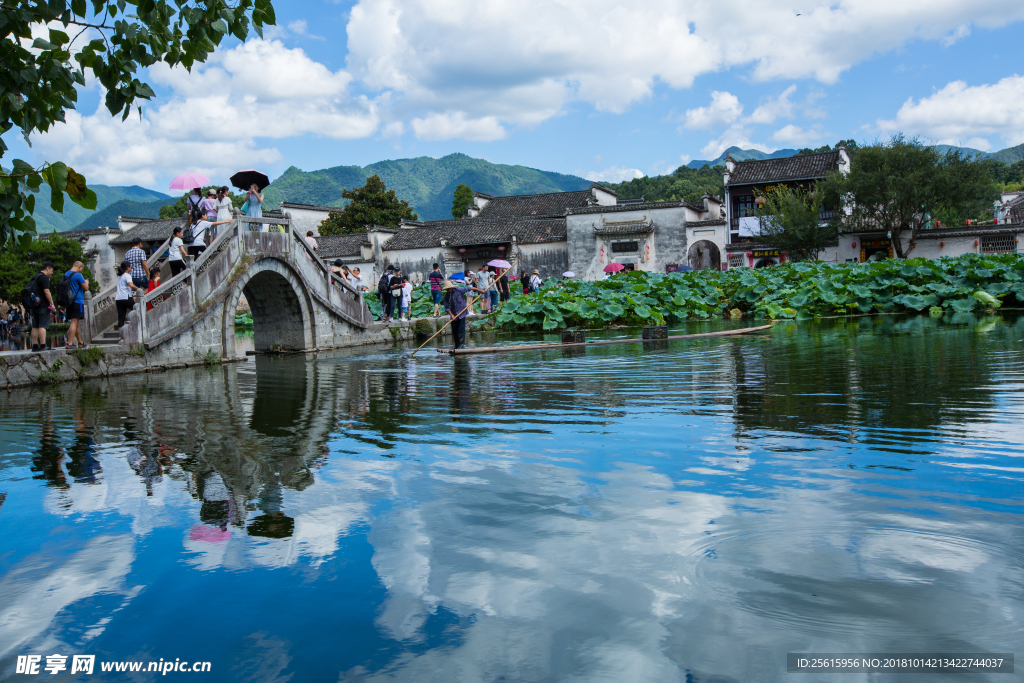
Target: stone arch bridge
297, 303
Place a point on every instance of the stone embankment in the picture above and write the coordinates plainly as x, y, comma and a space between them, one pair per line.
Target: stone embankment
24, 368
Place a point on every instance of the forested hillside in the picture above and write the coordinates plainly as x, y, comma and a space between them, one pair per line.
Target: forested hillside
426, 183
685, 183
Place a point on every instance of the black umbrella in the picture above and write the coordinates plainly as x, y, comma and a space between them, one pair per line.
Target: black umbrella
243, 180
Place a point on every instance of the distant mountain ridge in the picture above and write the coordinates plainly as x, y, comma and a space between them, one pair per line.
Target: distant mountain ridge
742, 155
426, 183
48, 220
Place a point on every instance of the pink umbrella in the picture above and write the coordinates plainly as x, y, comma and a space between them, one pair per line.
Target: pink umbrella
186, 181
613, 267
209, 534
498, 263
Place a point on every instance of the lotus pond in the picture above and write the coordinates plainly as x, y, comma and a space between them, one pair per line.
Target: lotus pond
676, 511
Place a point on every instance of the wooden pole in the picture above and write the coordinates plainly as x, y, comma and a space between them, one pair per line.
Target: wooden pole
451, 319
598, 342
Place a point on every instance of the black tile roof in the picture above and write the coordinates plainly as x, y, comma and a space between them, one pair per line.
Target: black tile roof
636, 207
469, 231
550, 204
312, 207
806, 167
701, 224
640, 227
338, 246
151, 231
79, 234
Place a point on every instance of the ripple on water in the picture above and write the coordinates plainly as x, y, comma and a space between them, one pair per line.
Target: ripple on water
854, 582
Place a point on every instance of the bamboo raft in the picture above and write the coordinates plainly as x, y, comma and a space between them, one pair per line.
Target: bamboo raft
601, 342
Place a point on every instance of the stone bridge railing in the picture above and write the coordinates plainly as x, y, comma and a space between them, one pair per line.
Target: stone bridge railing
184, 298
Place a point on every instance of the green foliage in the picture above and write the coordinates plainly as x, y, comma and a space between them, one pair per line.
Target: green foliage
88, 356
462, 201
180, 207
422, 328
801, 290
426, 183
51, 376
18, 265
900, 186
851, 147
243, 321
684, 184
371, 204
39, 82
790, 220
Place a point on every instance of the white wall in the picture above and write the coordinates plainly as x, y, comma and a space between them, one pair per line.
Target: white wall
308, 219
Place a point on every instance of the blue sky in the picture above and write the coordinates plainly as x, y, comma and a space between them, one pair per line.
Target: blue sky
599, 88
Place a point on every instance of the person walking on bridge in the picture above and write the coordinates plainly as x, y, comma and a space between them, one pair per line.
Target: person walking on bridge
136, 258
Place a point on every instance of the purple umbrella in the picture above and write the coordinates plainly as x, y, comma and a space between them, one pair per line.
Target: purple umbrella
498, 263
186, 181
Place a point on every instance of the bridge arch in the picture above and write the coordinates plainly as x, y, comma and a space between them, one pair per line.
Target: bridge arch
282, 312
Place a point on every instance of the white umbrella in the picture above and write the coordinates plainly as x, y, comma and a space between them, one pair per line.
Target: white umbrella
568, 273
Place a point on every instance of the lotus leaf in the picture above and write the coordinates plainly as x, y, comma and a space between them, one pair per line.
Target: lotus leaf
963, 305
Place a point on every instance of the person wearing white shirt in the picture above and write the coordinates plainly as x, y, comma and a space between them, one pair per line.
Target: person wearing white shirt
223, 204
124, 299
406, 297
199, 229
176, 253
535, 281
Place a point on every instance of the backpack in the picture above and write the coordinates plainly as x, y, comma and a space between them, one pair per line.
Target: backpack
382, 284
30, 296
64, 298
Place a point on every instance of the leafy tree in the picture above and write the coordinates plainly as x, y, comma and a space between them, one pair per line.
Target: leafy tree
19, 264
684, 184
790, 221
371, 204
901, 186
851, 147
178, 208
39, 80
463, 200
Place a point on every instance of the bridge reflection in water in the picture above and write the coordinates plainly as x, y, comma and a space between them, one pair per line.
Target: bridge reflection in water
370, 515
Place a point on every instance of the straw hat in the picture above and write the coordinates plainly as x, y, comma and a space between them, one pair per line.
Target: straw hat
536, 272
448, 284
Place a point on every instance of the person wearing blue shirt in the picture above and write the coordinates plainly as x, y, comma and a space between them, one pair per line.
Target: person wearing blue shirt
76, 311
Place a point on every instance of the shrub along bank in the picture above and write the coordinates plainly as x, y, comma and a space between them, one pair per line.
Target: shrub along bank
798, 290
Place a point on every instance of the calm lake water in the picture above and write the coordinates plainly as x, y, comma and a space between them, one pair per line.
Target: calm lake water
689, 512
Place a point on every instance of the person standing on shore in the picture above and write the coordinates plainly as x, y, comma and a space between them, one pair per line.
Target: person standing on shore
384, 293
76, 310
483, 281
406, 298
395, 288
471, 282
524, 281
504, 288
41, 306
436, 280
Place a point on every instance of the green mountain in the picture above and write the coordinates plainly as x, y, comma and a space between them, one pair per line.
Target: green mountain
743, 155
426, 183
1010, 155
123, 207
48, 220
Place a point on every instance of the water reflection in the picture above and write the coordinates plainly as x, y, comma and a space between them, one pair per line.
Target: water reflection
672, 512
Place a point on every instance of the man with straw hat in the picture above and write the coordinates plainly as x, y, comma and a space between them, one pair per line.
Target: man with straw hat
455, 303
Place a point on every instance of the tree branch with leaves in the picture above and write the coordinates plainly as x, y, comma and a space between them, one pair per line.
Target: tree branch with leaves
39, 77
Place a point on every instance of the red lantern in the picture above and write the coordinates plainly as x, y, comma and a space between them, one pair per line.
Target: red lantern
854, 245
975, 242
462, 250
996, 221
942, 244
938, 224
968, 221
501, 248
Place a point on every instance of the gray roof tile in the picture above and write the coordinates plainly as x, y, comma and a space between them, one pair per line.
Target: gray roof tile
468, 231
636, 207
150, 231
339, 246
550, 204
806, 167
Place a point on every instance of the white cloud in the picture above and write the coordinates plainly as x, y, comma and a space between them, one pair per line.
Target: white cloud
959, 114
457, 125
724, 109
615, 174
737, 135
524, 62
795, 136
260, 89
779, 107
